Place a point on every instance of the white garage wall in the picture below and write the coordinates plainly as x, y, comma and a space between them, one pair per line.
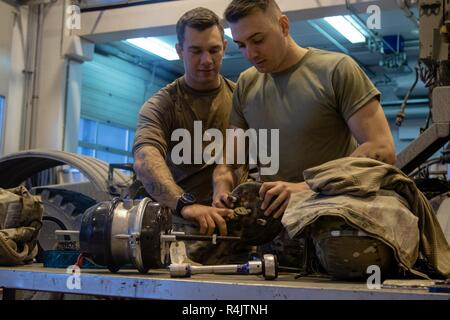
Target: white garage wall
6, 31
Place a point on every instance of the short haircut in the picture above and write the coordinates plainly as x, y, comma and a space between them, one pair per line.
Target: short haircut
239, 9
200, 19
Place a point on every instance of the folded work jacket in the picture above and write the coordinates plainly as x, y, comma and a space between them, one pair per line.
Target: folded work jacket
378, 199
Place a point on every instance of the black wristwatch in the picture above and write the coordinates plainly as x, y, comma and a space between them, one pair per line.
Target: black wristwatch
184, 200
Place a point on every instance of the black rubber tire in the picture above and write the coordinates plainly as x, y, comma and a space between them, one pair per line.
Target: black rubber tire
17, 167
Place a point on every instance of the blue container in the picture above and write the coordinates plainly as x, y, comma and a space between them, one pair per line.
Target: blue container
396, 42
64, 259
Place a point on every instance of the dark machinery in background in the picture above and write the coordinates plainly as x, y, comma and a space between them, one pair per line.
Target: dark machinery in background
434, 70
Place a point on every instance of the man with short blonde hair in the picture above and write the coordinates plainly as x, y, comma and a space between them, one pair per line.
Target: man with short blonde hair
323, 104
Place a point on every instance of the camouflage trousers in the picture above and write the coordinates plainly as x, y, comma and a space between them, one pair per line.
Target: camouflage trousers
347, 253
333, 247
341, 250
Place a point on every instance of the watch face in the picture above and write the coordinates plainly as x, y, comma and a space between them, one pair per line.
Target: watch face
189, 197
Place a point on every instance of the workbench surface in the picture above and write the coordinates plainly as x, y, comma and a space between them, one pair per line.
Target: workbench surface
158, 284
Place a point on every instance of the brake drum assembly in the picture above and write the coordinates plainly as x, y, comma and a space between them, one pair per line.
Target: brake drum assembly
119, 233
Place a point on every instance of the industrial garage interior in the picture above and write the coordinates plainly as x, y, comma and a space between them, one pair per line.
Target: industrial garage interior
74, 75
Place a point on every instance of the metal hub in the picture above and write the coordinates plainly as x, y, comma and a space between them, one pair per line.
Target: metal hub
249, 219
119, 233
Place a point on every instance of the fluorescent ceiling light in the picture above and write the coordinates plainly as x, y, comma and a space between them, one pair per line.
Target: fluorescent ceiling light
358, 25
228, 33
348, 27
156, 46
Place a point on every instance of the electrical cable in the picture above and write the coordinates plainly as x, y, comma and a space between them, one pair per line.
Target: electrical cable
401, 114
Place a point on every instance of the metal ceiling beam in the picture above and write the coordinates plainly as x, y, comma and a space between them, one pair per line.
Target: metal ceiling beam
330, 38
11, 2
17, 3
34, 2
339, 46
158, 19
137, 21
87, 6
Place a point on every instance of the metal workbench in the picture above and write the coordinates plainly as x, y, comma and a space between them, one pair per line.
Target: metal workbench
159, 285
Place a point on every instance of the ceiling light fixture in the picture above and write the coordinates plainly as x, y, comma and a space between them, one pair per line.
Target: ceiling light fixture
348, 27
228, 33
155, 46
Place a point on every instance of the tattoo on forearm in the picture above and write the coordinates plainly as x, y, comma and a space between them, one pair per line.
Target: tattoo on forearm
155, 189
157, 178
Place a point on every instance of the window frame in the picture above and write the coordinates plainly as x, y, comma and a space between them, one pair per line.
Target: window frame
2, 122
96, 147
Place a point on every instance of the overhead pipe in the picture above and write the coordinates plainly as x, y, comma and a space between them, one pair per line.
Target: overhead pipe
35, 92
28, 77
31, 71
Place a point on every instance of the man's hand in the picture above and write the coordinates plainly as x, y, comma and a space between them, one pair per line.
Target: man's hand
224, 180
223, 199
280, 192
208, 218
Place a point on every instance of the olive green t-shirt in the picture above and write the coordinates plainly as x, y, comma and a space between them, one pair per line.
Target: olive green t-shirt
177, 106
310, 103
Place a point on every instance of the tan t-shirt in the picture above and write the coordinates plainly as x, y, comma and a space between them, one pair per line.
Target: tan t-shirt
178, 106
309, 103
